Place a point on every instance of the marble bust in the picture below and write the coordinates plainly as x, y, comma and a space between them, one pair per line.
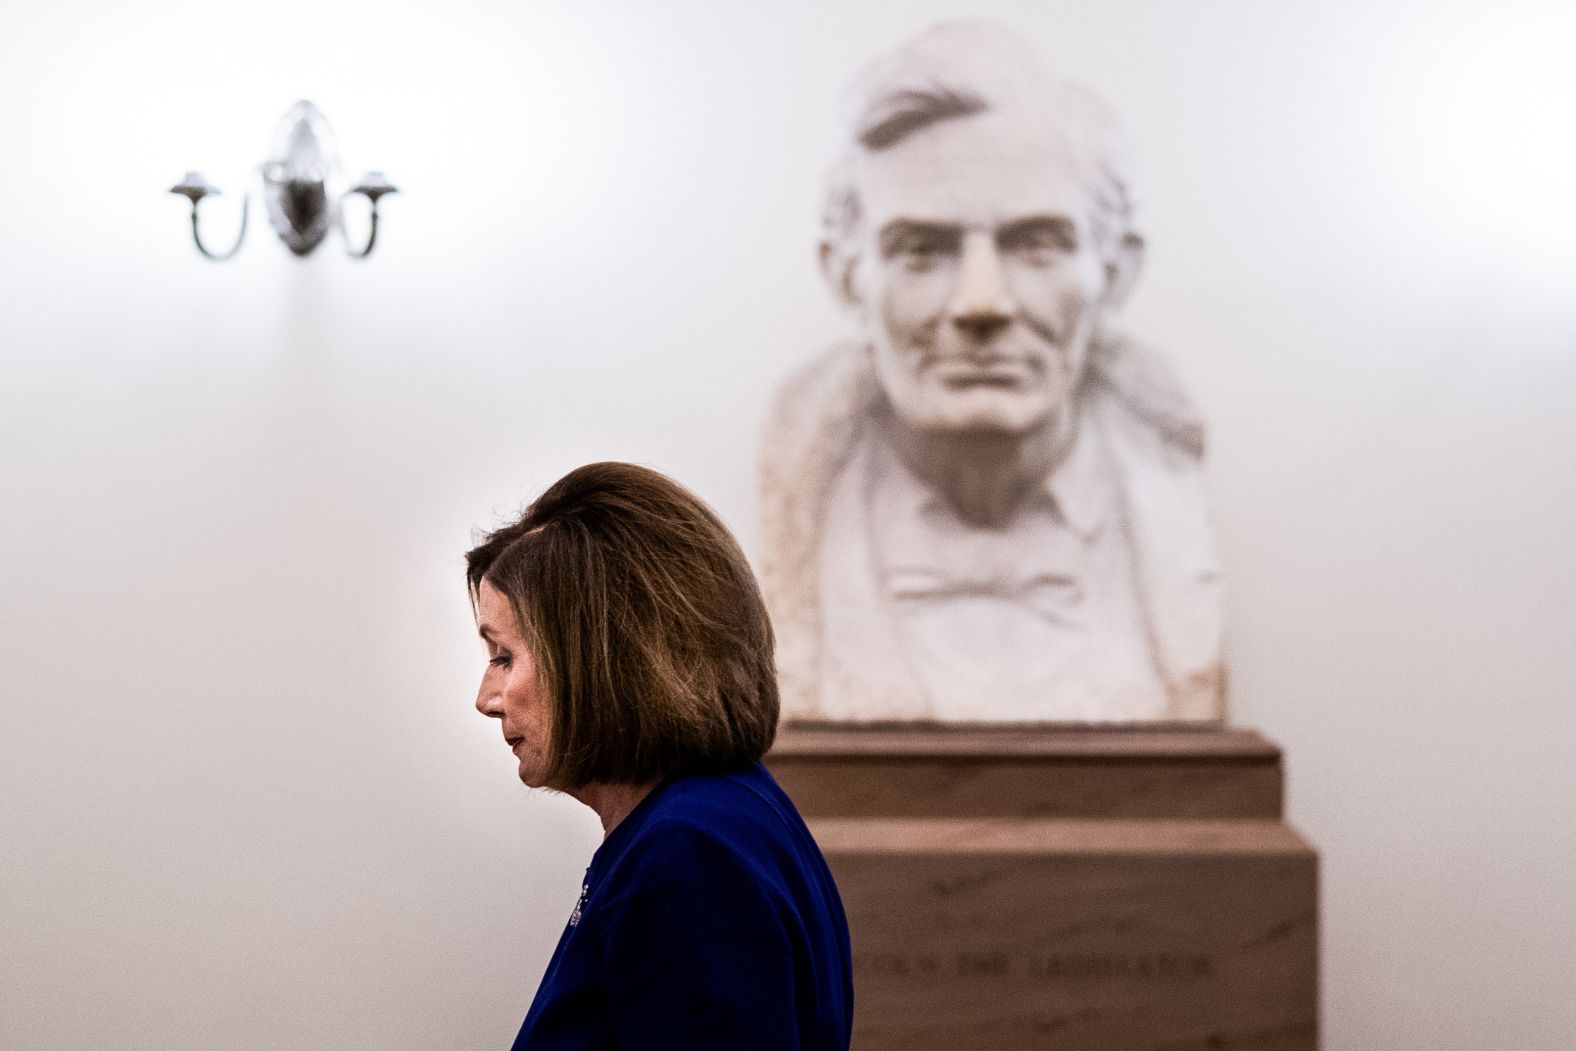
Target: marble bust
985, 506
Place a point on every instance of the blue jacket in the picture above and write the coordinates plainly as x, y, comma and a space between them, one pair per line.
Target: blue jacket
708, 920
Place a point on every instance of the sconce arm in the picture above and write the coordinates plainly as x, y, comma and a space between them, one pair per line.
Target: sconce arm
220, 257
373, 186
372, 237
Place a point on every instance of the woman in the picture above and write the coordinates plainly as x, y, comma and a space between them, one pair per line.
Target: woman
630, 664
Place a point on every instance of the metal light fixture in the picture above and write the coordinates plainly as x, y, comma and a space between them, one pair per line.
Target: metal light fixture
301, 178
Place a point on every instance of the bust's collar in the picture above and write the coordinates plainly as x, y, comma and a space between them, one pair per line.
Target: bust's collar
1080, 485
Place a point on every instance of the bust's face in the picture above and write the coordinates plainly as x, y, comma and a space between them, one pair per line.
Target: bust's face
978, 282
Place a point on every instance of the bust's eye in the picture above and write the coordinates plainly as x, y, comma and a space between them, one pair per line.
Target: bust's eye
919, 249
922, 255
1040, 242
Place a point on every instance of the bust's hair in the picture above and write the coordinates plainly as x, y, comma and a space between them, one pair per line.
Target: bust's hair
956, 70
645, 623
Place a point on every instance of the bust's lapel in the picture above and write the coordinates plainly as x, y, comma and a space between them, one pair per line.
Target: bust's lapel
1156, 443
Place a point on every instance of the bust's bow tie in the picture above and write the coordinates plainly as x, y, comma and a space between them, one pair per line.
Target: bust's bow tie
1054, 596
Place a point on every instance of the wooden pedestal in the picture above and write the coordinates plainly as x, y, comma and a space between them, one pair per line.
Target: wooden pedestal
1070, 889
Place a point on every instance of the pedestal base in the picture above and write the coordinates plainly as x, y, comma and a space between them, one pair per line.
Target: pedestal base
1045, 888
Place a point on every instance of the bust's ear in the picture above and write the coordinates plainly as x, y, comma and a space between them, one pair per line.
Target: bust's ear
838, 269
1121, 273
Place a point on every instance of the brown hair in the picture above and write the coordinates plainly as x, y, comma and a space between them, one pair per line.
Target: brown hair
645, 623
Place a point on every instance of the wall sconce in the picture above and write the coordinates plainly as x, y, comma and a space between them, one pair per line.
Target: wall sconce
300, 182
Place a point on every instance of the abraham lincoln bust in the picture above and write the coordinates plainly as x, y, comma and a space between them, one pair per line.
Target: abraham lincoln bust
986, 506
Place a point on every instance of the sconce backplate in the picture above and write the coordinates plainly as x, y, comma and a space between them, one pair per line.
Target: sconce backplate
296, 179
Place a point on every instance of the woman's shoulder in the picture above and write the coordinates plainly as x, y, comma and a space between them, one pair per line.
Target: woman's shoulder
742, 806
719, 794
736, 819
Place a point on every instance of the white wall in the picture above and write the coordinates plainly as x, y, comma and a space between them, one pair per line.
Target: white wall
244, 802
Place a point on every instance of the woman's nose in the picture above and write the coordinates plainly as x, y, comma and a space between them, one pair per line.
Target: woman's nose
982, 306
487, 701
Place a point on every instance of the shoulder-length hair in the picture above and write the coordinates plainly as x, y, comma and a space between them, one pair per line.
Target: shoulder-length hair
645, 624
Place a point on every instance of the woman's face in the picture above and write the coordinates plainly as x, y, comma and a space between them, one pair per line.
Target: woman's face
510, 690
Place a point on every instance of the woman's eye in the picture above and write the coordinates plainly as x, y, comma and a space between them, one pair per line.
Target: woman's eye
500, 661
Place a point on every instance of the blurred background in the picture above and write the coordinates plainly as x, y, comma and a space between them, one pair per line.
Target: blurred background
245, 802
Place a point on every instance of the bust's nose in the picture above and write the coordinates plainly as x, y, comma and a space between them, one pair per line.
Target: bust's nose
982, 306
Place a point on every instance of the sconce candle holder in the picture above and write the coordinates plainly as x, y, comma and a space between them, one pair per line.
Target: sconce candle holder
300, 187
